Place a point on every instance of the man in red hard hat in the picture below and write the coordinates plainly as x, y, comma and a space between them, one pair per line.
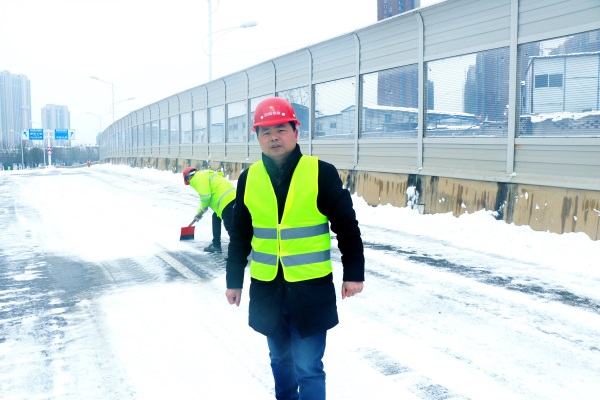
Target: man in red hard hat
284, 205
217, 193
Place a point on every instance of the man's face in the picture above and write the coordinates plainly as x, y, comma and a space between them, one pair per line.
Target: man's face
277, 141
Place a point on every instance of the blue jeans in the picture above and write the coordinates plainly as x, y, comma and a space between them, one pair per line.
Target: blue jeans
297, 363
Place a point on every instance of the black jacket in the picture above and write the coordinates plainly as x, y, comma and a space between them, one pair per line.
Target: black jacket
311, 303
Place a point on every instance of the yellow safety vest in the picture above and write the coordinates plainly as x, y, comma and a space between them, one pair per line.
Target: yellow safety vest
214, 189
301, 242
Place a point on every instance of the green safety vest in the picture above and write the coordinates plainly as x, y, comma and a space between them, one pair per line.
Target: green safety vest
301, 242
214, 189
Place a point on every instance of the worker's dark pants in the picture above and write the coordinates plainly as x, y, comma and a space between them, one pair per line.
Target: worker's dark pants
216, 223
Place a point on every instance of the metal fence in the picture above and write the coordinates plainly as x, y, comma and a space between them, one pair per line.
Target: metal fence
504, 90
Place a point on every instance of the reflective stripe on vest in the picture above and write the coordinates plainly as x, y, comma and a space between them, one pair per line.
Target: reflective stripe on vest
301, 242
225, 195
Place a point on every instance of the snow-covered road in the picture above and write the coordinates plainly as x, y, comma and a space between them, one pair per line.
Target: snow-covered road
100, 300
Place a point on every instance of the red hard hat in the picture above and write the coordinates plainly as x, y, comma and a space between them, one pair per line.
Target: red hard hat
274, 111
186, 172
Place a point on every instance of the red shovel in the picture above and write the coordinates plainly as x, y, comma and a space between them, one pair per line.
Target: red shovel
187, 232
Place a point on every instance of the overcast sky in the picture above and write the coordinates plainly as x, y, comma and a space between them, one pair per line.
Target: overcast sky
151, 50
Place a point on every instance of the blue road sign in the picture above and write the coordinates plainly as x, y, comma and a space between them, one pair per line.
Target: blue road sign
36, 134
61, 134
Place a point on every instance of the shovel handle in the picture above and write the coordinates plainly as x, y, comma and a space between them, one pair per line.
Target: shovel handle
192, 223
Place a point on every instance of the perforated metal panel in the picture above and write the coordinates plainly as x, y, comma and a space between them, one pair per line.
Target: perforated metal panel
475, 154
200, 151
173, 102
254, 152
293, 70
163, 109
261, 79
236, 152
154, 111
546, 19
216, 93
399, 155
147, 112
339, 153
216, 151
185, 101
334, 59
462, 27
390, 43
199, 98
237, 87
558, 157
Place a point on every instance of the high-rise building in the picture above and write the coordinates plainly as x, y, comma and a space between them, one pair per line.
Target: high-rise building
56, 117
397, 89
485, 91
15, 108
389, 8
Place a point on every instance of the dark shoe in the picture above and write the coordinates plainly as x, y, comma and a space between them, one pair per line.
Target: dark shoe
213, 249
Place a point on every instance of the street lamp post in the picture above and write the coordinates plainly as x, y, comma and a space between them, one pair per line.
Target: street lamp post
210, 35
112, 86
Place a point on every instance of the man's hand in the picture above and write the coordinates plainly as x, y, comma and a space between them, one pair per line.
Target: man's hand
349, 289
198, 217
234, 296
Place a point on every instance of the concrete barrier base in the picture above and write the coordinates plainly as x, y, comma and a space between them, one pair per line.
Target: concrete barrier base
543, 208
